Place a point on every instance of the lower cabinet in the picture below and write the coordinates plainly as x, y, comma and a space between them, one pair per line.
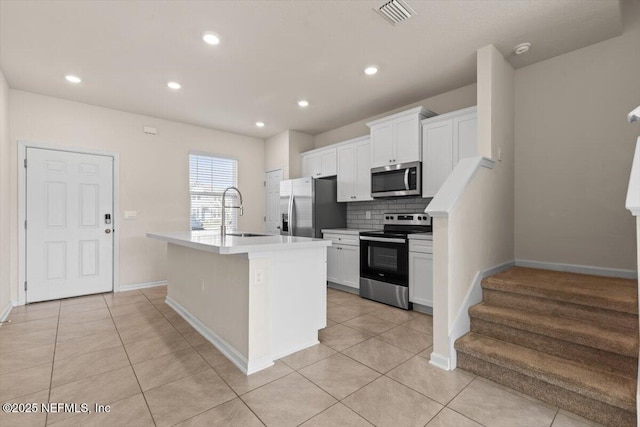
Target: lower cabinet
343, 264
421, 277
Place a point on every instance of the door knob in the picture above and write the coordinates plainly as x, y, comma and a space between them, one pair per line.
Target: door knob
108, 230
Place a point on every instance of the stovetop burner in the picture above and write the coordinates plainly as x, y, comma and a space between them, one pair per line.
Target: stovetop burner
401, 224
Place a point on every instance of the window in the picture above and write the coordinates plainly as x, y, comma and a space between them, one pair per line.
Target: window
208, 178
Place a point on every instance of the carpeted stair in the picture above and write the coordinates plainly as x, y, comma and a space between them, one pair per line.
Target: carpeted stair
567, 339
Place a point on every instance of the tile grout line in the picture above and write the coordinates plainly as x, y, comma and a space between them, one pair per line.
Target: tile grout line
53, 362
129, 360
554, 417
210, 367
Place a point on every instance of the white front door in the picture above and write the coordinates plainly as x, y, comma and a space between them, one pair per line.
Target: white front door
272, 208
69, 229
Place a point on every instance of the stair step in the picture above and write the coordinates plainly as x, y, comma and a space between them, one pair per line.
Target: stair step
615, 319
572, 330
554, 379
608, 293
616, 363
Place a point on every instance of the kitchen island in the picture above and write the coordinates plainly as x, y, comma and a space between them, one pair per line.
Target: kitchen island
256, 298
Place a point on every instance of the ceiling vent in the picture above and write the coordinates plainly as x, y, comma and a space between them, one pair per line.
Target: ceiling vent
395, 11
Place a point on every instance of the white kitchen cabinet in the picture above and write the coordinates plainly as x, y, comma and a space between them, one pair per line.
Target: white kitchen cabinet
343, 260
445, 140
319, 163
333, 264
421, 272
354, 171
396, 138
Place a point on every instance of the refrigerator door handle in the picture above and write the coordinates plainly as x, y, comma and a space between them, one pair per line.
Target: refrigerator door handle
293, 217
290, 213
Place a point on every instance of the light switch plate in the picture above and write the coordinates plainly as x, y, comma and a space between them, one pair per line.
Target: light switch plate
130, 214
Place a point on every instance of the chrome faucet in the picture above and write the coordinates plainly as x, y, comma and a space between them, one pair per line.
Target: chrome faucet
223, 227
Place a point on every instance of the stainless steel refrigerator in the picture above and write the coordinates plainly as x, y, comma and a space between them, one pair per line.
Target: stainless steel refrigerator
308, 205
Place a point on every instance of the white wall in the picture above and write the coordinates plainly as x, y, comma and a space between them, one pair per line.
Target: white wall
298, 143
282, 151
277, 153
153, 169
5, 210
444, 103
574, 151
477, 234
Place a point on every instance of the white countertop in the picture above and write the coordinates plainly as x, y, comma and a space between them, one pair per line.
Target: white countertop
211, 241
351, 231
420, 236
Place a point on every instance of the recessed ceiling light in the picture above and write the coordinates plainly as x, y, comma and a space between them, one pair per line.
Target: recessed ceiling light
371, 70
260, 124
522, 48
211, 38
303, 103
73, 79
174, 85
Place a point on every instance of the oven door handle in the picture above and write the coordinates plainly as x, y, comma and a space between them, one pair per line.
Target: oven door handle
383, 239
406, 179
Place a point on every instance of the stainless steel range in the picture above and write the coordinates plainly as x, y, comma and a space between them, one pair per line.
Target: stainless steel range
384, 258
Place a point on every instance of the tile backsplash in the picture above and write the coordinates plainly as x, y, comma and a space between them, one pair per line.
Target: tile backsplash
357, 211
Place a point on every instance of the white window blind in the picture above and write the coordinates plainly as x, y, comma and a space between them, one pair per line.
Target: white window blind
208, 178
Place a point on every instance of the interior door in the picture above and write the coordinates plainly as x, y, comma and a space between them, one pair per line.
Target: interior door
69, 229
272, 201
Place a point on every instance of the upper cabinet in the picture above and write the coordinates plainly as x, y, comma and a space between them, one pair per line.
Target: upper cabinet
445, 140
319, 163
397, 138
354, 170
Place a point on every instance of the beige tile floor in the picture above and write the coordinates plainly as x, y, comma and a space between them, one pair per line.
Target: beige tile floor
132, 352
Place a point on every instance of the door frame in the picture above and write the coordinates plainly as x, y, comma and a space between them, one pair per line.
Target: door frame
266, 195
22, 209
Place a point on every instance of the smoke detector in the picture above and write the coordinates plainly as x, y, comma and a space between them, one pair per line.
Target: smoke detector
395, 11
522, 48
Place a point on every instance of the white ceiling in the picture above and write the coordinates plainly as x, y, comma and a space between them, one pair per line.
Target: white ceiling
275, 52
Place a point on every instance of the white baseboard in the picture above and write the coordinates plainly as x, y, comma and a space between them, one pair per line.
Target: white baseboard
343, 288
295, 349
225, 348
440, 361
581, 269
462, 323
423, 309
144, 285
5, 311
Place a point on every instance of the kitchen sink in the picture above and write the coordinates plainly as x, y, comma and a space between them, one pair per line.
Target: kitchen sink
246, 234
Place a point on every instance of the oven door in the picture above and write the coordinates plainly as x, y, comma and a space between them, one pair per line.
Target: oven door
397, 180
385, 259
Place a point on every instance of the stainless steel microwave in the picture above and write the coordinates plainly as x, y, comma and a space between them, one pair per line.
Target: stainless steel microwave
403, 179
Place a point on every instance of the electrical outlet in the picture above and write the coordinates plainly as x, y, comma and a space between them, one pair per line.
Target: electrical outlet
368, 214
259, 277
